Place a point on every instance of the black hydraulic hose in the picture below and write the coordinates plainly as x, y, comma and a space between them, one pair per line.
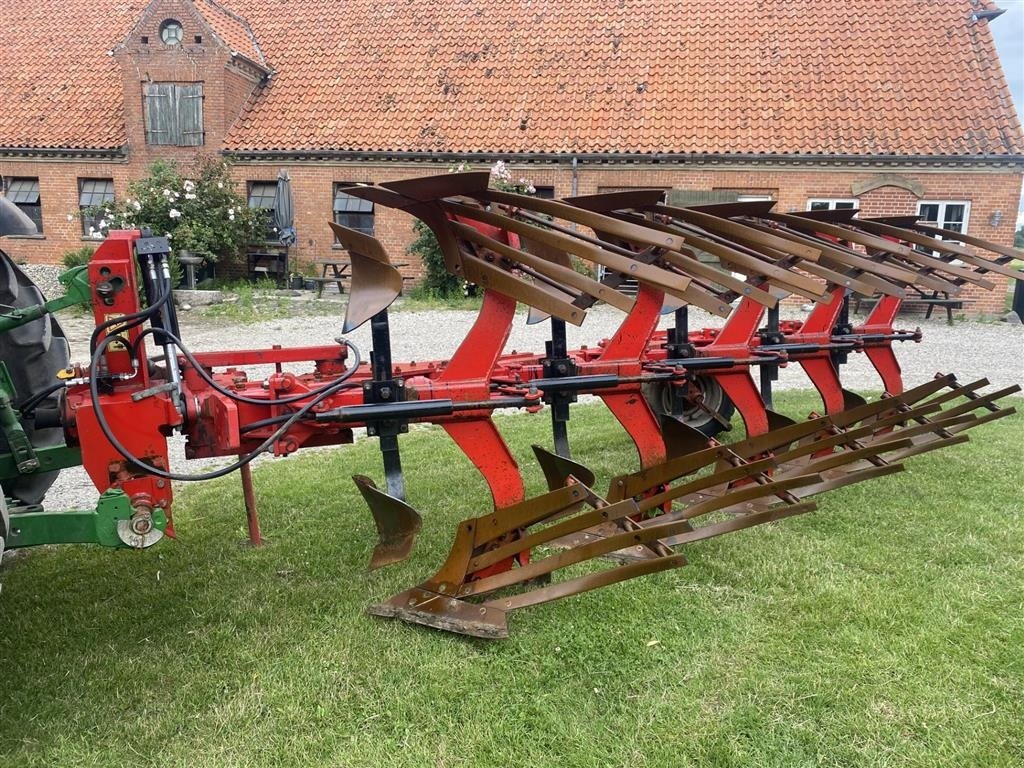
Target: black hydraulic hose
205, 376
29, 403
263, 447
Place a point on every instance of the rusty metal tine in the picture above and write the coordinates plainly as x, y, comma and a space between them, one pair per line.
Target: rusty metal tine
602, 514
633, 233
855, 284
834, 253
635, 483
699, 269
837, 257
741, 232
564, 275
777, 439
975, 403
706, 300
739, 522
750, 264
488, 276
852, 455
881, 228
645, 273
842, 437
976, 421
843, 232
618, 541
841, 480
886, 248
906, 398
719, 477
931, 445
586, 583
988, 245
529, 512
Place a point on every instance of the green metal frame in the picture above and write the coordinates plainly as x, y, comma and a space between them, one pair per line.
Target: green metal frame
76, 291
87, 526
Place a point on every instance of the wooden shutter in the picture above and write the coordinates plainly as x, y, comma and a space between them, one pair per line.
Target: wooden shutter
189, 105
161, 125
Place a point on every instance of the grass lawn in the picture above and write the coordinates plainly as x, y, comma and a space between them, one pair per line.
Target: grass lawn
887, 629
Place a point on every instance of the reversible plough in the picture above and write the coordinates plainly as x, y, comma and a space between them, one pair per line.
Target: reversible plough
672, 391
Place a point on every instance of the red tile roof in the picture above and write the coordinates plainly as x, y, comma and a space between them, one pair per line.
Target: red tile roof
903, 77
233, 31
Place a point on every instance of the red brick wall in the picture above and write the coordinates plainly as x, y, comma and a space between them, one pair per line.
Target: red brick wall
988, 190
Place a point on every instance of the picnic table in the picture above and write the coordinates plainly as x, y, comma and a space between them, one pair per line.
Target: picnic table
340, 273
922, 300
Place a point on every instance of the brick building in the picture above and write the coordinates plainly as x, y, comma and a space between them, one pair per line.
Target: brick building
892, 107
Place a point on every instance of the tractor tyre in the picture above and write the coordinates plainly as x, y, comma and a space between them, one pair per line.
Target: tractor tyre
712, 396
34, 353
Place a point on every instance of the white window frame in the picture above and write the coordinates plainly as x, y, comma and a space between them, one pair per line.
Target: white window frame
754, 197
941, 223
832, 202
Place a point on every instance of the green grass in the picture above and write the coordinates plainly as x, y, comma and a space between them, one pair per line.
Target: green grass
883, 630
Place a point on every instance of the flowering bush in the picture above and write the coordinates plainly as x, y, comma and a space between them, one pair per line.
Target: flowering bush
439, 282
199, 209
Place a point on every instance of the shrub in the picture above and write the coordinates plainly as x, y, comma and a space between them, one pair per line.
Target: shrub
78, 257
197, 207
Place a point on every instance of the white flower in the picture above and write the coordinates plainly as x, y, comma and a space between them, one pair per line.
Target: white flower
167, 193
92, 232
220, 185
500, 171
231, 211
530, 189
190, 196
103, 223
70, 217
231, 217
174, 213
168, 235
136, 205
189, 186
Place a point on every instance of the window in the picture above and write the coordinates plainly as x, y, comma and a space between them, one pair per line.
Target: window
544, 193
753, 198
829, 204
261, 195
93, 192
352, 212
174, 114
25, 194
945, 214
170, 32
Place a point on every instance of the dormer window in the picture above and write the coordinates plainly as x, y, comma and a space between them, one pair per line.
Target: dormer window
170, 32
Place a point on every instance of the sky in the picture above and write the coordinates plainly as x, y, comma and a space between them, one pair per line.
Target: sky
1008, 31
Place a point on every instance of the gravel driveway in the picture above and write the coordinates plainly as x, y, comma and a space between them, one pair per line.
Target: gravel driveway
969, 349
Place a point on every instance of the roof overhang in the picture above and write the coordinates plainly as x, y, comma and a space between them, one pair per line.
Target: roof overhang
627, 158
66, 153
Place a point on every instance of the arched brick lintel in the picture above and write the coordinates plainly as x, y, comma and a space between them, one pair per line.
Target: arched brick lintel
888, 180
